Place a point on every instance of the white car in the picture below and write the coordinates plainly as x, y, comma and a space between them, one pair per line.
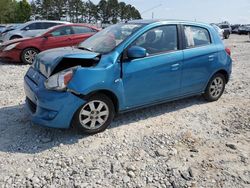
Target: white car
30, 29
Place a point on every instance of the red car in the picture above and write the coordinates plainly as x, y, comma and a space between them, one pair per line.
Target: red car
24, 50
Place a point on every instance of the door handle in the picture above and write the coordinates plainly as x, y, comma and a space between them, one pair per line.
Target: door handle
211, 58
175, 66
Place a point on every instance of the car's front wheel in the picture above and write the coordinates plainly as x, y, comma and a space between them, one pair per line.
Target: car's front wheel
28, 55
95, 115
215, 87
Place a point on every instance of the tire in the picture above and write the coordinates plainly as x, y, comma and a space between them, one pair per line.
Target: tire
89, 115
15, 37
28, 55
215, 88
227, 36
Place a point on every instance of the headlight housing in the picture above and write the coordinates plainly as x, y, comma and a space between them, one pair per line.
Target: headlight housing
10, 47
59, 81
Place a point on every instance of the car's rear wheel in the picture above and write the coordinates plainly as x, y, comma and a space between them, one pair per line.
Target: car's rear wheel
215, 87
28, 55
95, 115
227, 36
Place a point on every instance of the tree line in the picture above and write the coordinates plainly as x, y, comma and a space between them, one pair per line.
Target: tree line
13, 11
106, 11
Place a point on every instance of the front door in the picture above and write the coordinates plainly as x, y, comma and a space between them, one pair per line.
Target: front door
60, 37
156, 77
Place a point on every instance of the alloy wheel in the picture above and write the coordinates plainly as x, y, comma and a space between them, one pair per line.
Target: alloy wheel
94, 114
30, 55
216, 87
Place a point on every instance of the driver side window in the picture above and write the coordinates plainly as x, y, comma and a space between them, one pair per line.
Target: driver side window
159, 40
62, 31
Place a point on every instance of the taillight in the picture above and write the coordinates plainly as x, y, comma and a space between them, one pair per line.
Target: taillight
228, 51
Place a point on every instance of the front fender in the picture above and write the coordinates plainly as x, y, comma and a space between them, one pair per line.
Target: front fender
88, 80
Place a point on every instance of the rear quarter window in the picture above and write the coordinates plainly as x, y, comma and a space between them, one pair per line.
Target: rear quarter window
196, 36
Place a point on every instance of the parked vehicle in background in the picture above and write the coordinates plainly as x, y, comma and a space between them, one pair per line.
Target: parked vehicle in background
227, 30
235, 28
125, 67
25, 49
244, 30
29, 29
7, 29
2, 27
219, 30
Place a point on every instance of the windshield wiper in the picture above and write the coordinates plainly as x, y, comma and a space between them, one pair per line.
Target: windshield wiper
84, 48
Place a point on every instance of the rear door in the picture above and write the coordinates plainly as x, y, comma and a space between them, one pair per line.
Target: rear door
199, 54
60, 37
81, 33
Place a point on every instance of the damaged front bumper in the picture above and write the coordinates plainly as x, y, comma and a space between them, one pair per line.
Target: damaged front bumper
49, 108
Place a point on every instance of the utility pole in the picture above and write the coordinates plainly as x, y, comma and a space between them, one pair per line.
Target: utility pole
150, 9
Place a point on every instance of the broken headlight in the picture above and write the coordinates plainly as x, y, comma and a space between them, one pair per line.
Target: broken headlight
59, 81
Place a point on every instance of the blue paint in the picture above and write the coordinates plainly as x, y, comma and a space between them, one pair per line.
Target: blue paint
136, 82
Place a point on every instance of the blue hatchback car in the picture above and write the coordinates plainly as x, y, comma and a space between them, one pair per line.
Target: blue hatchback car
125, 67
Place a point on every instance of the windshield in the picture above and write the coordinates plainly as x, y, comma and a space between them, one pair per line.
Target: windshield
45, 31
108, 39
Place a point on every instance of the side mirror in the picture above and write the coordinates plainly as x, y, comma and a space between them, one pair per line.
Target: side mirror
136, 52
47, 35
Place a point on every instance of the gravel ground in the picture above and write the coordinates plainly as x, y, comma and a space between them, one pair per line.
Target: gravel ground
188, 143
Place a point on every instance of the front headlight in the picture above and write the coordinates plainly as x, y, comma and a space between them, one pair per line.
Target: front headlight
10, 47
60, 80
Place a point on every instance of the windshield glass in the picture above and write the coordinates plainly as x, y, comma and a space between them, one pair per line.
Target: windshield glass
106, 40
44, 31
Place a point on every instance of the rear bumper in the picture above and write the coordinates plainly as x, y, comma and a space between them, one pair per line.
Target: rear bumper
50, 108
11, 55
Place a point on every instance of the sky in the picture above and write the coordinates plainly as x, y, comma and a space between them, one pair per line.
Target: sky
210, 11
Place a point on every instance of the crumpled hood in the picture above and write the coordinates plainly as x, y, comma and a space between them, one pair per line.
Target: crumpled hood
47, 61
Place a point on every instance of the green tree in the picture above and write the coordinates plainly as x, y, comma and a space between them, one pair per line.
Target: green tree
7, 11
22, 11
103, 11
91, 12
113, 10
106, 11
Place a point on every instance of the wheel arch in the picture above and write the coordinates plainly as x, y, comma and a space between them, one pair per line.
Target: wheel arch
109, 94
19, 36
224, 73
27, 48
221, 71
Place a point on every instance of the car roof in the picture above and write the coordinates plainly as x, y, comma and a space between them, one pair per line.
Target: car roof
72, 24
49, 21
166, 21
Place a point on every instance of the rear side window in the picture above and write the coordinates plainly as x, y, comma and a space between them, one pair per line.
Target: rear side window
82, 30
196, 36
47, 25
